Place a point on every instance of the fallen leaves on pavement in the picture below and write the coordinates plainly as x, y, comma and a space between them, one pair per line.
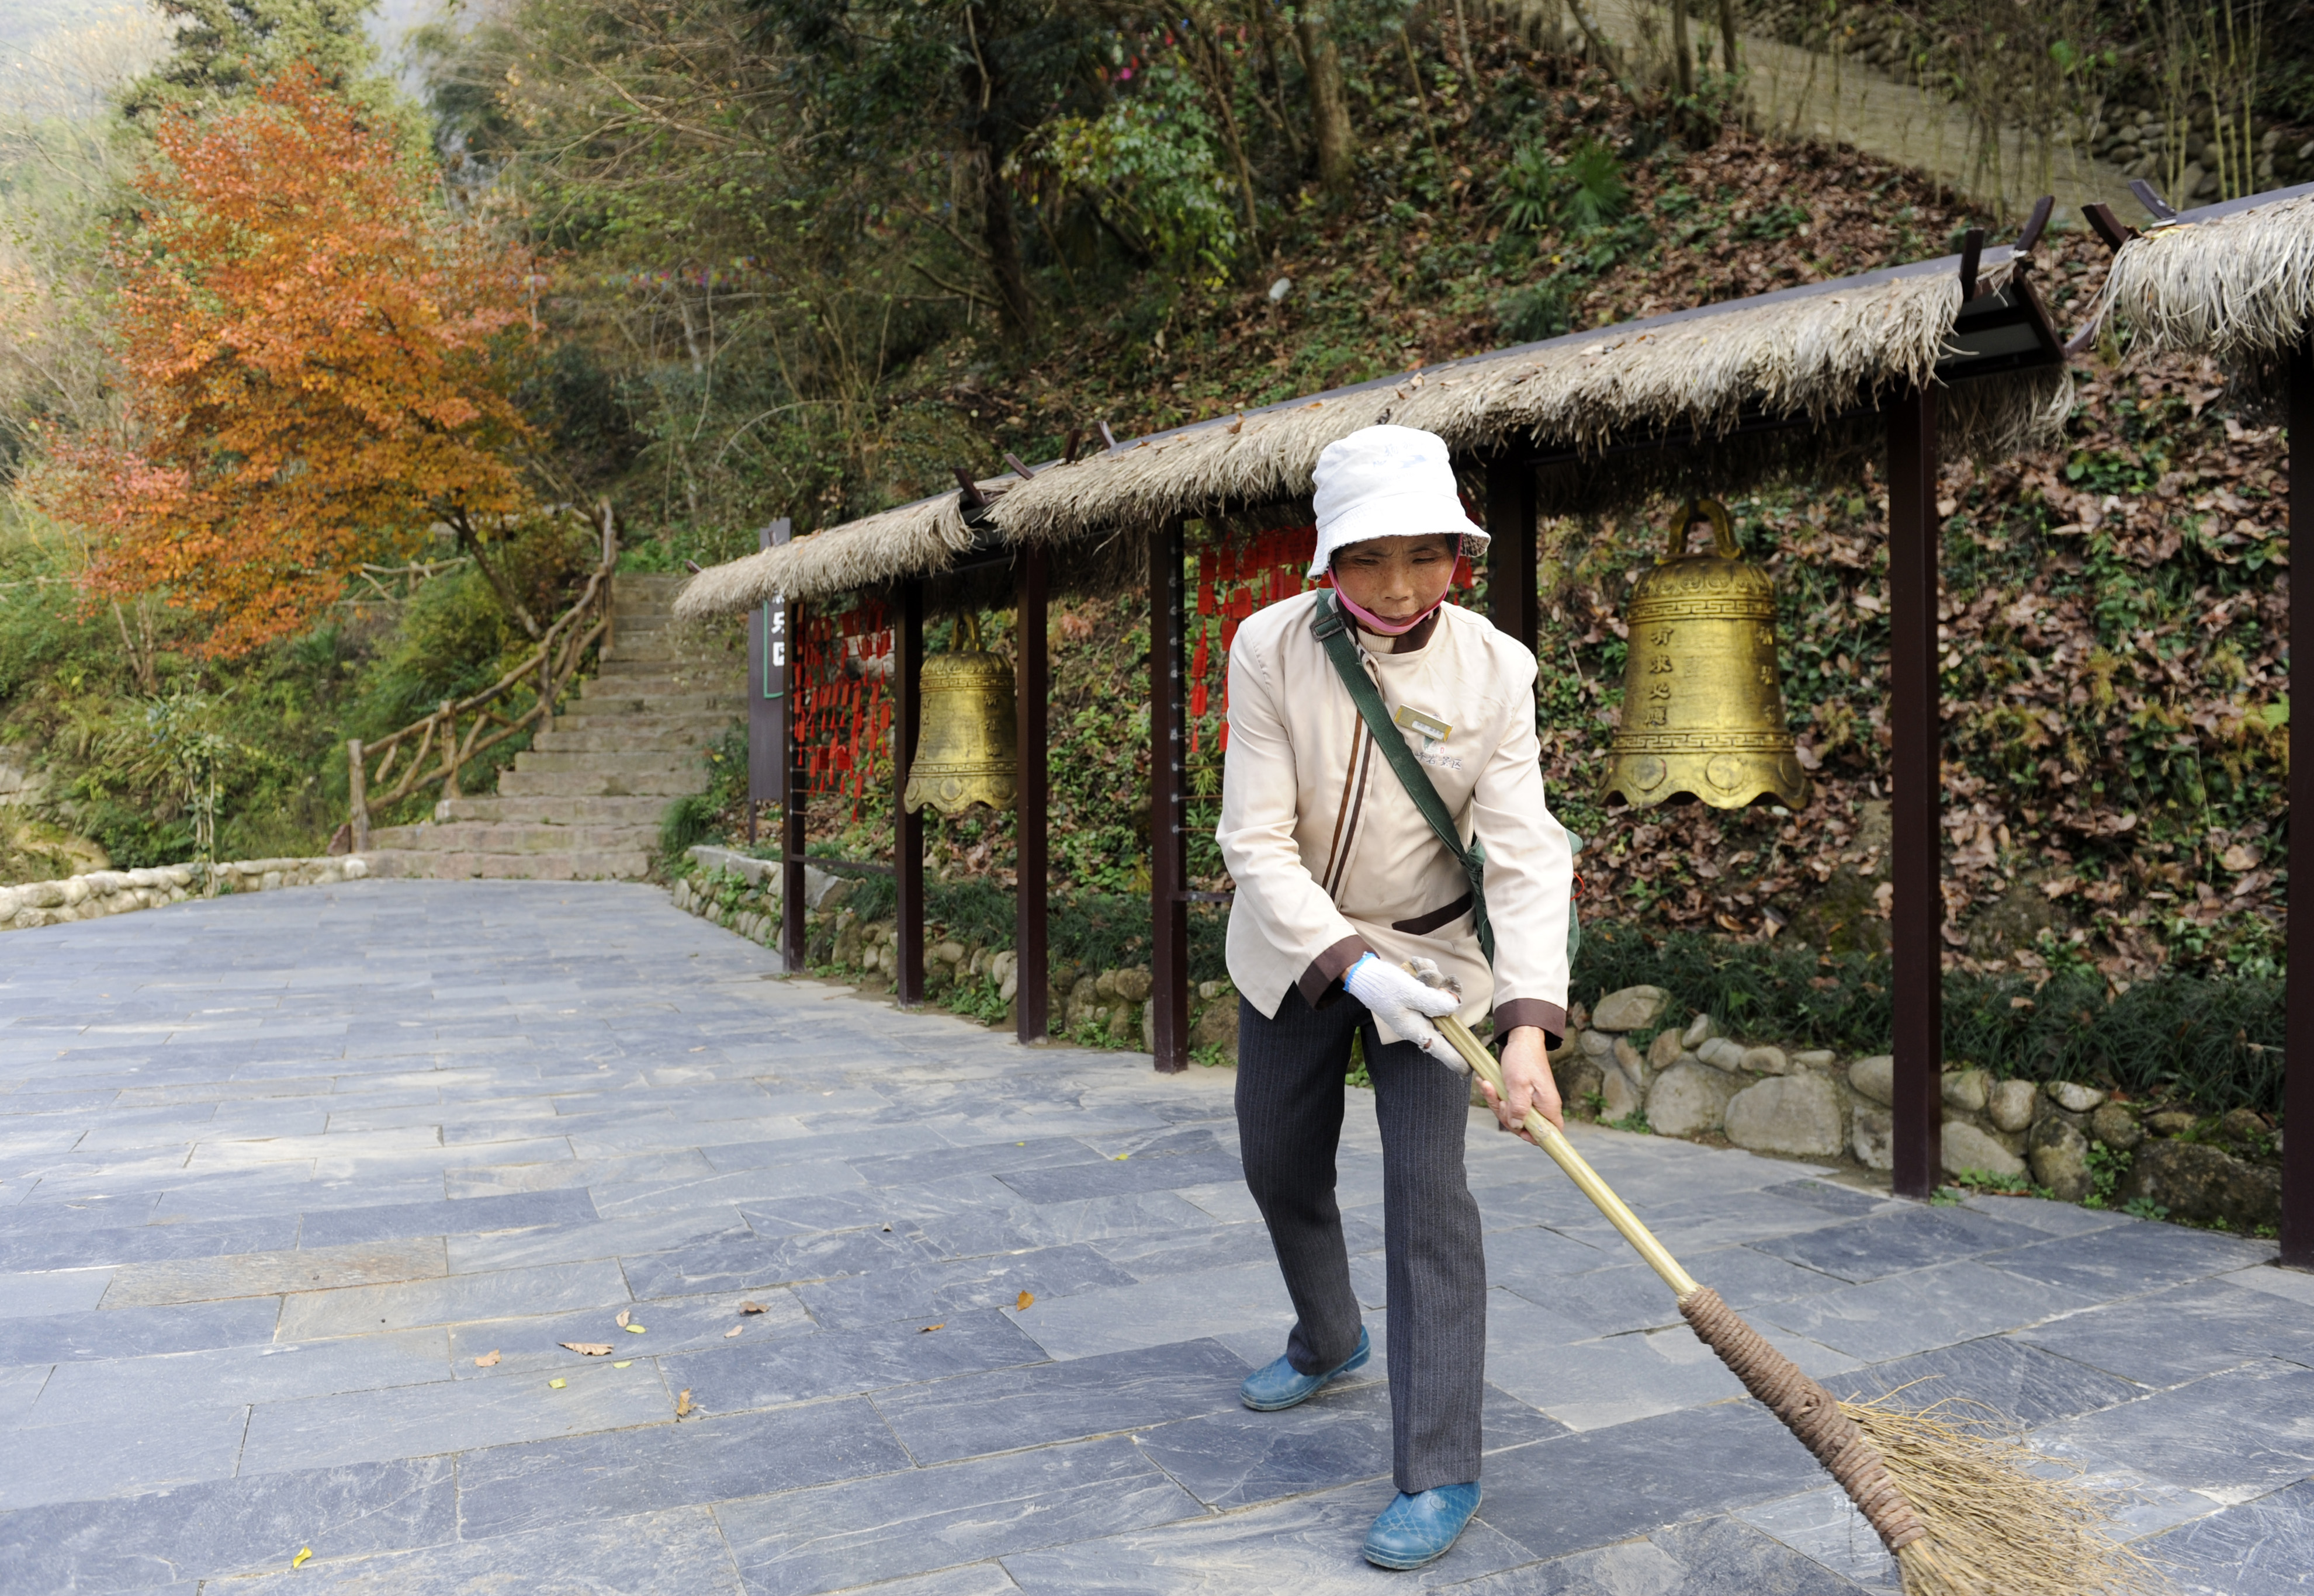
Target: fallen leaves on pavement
589, 1349
489, 1359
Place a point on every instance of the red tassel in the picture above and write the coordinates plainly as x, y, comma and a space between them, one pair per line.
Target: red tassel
1229, 631
1198, 701
1205, 596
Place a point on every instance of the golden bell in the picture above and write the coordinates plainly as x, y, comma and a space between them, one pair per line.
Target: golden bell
1703, 715
965, 743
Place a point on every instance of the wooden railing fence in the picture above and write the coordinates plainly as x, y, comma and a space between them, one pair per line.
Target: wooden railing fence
437, 738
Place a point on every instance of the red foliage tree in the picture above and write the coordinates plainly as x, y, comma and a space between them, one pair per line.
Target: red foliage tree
315, 363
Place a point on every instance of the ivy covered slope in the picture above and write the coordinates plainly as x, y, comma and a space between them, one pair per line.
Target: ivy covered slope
2112, 611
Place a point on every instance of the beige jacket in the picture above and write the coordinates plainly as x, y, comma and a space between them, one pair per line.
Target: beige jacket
1333, 859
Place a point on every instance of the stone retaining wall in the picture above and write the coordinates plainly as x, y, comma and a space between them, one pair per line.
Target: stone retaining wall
100, 893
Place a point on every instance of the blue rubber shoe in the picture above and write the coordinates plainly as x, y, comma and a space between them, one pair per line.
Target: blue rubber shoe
1420, 1529
1281, 1385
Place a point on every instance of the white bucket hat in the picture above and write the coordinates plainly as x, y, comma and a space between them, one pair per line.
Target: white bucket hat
1387, 481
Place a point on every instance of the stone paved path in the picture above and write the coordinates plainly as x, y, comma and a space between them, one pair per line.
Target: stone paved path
275, 1171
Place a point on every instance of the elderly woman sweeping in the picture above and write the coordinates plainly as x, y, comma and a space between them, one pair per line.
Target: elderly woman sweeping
1384, 800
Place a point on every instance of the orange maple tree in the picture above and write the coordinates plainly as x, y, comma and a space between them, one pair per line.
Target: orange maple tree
316, 365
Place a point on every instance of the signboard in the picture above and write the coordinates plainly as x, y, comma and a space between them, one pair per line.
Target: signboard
768, 655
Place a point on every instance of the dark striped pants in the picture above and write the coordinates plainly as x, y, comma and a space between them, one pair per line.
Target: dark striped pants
1289, 1117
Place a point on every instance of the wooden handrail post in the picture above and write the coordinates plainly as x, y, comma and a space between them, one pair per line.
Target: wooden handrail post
357, 793
449, 752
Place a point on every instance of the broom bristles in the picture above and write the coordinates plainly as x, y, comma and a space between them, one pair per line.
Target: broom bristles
1998, 1523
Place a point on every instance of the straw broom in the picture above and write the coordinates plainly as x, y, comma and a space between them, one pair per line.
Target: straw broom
1954, 1503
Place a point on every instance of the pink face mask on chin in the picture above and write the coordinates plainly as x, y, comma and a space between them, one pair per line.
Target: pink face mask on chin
1376, 624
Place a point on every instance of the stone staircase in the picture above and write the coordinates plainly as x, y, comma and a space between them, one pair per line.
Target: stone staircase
584, 802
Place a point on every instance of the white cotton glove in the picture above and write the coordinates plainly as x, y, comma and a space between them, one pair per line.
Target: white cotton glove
1405, 1005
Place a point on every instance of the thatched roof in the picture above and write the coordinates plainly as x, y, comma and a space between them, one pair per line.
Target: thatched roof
1818, 353
2234, 281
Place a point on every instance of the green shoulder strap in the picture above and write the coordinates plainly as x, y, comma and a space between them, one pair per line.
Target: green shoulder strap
1332, 632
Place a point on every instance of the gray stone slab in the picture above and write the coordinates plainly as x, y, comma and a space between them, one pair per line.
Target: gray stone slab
1235, 1458
118, 1452
1823, 1526
221, 1528
136, 1244
752, 1264
508, 1293
2126, 1259
1015, 1225
271, 1274
50, 1291
505, 1490
675, 1553
927, 1518
469, 1215
1310, 1544
654, 1329
1884, 1244
1217, 1302
987, 1158
921, 1291
1711, 1557
1910, 1313
575, 1243
2260, 1547
157, 1387
635, 1200
137, 1332
451, 1415
1111, 1178
2182, 1333
1008, 1410
1846, 1201
774, 1372
1607, 1486
2001, 1374
2056, 1219
2242, 1432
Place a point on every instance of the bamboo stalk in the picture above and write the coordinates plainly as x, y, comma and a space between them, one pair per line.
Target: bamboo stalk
1554, 1142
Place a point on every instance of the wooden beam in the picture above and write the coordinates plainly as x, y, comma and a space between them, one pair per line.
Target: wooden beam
1512, 603
767, 690
2298, 998
796, 790
907, 827
1168, 913
1916, 918
1032, 734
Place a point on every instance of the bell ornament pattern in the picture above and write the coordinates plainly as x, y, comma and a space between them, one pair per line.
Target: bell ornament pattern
1704, 710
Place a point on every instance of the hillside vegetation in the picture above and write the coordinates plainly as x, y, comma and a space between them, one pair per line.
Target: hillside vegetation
806, 259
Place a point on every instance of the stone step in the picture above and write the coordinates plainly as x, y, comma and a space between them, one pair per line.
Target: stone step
623, 733
613, 763
612, 701
471, 836
628, 865
647, 658
553, 813
653, 586
661, 784
674, 675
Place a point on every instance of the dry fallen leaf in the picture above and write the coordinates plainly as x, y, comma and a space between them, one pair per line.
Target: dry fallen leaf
589, 1349
734, 1330
489, 1359
556, 1385
683, 1403
751, 1307
1023, 1305
299, 1560
621, 1320
928, 1329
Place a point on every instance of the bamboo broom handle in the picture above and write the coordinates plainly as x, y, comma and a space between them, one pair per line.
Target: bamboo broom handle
1562, 1153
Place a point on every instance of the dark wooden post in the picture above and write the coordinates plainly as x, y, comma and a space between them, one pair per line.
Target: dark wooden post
1917, 914
767, 698
797, 789
908, 825
1169, 880
1512, 603
2298, 1011
1031, 729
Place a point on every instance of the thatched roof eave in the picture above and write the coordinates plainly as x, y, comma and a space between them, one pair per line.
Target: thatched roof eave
2233, 281
1809, 353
